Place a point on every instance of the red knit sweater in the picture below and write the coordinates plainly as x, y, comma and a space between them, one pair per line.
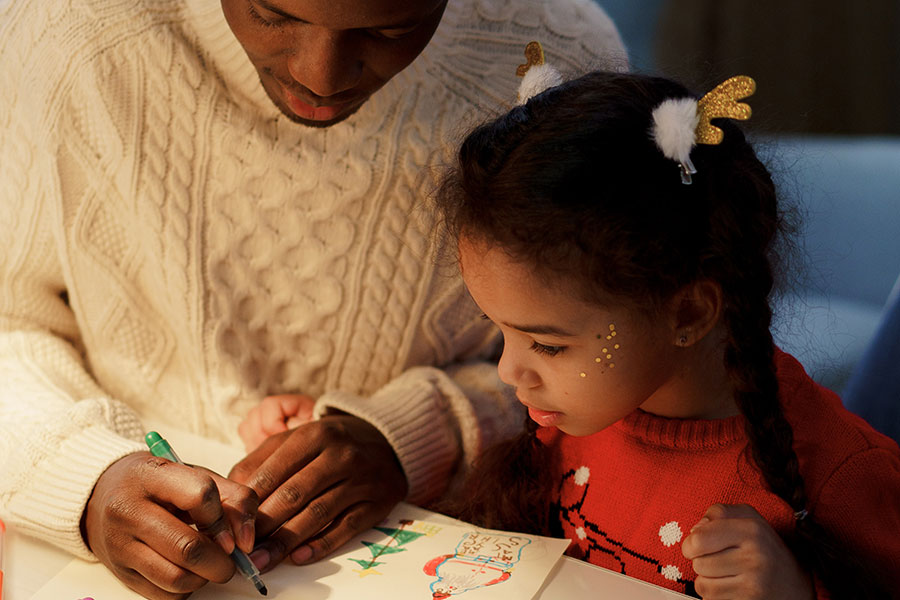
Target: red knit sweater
629, 495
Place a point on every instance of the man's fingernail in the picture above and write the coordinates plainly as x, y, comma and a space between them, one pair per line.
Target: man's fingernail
261, 558
226, 540
246, 536
302, 554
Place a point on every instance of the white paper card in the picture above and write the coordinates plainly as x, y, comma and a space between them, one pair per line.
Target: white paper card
414, 554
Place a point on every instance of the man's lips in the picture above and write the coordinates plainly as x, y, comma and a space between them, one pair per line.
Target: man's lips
311, 112
314, 111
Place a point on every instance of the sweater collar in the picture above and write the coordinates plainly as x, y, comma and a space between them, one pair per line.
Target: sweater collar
687, 434
225, 55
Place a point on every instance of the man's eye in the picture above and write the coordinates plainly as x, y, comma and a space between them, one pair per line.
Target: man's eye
392, 34
259, 18
545, 349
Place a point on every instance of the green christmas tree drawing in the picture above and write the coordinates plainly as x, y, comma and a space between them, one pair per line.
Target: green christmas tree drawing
399, 537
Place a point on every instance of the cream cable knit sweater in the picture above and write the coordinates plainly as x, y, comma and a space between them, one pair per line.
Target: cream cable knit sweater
172, 247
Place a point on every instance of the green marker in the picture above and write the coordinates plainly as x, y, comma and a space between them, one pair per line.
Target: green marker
161, 448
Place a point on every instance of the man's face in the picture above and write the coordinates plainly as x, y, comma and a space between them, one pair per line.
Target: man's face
320, 60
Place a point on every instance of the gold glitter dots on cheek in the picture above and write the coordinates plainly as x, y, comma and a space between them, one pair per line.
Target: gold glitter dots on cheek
607, 352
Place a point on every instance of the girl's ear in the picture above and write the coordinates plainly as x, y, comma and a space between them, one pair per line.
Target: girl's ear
694, 310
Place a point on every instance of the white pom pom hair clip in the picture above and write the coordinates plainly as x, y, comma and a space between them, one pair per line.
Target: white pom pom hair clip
678, 123
536, 74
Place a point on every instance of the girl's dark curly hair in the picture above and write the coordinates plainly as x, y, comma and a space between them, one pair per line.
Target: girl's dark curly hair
572, 184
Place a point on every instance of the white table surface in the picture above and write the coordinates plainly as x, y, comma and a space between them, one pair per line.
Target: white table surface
29, 563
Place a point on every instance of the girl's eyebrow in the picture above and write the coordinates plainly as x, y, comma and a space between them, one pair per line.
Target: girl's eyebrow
541, 329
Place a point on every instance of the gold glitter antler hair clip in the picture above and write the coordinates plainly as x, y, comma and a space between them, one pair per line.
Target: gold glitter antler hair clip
680, 123
536, 74
722, 102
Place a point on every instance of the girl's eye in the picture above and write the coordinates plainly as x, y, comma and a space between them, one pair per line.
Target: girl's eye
548, 350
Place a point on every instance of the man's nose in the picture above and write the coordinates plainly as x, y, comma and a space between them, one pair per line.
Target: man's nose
325, 62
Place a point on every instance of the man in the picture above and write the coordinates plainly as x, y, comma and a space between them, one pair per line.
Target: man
204, 205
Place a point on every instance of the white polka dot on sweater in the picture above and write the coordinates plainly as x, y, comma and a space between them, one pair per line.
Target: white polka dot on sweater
580, 533
670, 533
671, 572
582, 474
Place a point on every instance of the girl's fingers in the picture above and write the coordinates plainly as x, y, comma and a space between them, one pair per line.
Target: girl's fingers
250, 429
726, 563
272, 417
294, 422
720, 588
721, 528
289, 404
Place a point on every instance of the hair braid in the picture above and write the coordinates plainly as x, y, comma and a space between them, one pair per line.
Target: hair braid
749, 358
507, 487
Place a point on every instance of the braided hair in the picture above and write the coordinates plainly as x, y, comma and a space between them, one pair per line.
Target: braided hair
572, 184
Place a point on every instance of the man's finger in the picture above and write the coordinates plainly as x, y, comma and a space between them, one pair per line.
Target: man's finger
355, 520
186, 488
308, 497
153, 576
240, 504
323, 512
193, 556
246, 468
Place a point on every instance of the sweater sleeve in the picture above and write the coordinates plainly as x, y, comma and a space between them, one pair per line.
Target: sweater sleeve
436, 420
860, 505
58, 430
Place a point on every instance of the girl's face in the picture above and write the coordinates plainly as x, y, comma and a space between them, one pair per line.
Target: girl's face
576, 366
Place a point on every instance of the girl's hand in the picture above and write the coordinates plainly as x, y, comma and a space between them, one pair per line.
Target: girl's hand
275, 414
736, 554
138, 523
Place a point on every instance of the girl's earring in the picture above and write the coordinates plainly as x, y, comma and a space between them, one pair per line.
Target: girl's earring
682, 341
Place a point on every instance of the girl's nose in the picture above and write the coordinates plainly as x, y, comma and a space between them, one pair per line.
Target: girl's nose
514, 371
325, 62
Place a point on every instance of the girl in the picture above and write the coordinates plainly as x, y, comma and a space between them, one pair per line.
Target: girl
677, 444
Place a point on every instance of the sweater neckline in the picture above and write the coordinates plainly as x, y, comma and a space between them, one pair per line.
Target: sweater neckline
687, 434
226, 54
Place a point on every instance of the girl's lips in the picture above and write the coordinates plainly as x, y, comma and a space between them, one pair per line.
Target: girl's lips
309, 112
544, 418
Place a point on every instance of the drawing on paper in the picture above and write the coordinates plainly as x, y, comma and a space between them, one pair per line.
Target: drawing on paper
399, 537
480, 560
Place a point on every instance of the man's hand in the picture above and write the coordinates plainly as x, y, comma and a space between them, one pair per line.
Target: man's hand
737, 555
319, 485
138, 523
275, 414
